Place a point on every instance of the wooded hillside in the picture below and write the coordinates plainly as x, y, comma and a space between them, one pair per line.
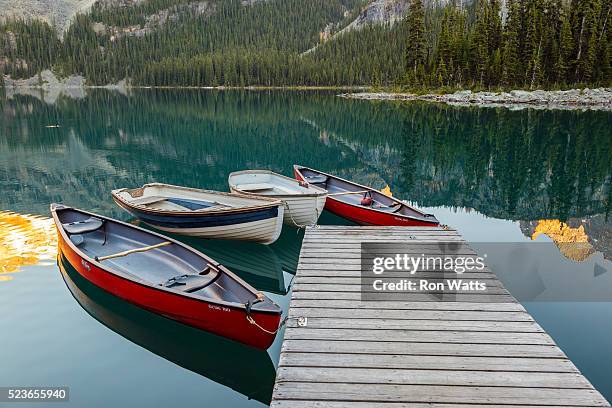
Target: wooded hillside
541, 43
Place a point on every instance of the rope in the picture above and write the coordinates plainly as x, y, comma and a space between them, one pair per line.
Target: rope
282, 323
253, 322
298, 226
290, 283
291, 216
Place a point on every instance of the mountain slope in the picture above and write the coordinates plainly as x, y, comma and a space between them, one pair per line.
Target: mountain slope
58, 12
542, 43
379, 12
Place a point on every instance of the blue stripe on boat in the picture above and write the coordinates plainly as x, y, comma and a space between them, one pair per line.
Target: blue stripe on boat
203, 220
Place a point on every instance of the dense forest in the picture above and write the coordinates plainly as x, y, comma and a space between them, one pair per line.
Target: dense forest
529, 44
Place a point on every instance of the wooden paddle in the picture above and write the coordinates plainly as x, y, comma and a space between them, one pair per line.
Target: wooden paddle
349, 192
131, 251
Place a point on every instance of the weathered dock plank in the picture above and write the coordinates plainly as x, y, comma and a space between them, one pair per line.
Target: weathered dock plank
428, 377
449, 394
374, 348
413, 351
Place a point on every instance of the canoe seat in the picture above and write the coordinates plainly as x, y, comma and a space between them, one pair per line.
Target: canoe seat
393, 208
191, 283
77, 239
317, 179
255, 187
263, 188
81, 227
148, 200
194, 205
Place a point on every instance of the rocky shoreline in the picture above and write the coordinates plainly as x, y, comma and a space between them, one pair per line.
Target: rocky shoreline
48, 87
584, 99
48, 84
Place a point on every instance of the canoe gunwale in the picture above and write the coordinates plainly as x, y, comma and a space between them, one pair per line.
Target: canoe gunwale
424, 216
271, 203
141, 282
281, 197
233, 188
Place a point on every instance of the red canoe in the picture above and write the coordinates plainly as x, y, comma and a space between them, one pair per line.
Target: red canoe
164, 276
363, 204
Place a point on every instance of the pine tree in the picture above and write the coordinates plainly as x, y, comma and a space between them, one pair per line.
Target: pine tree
495, 71
511, 52
603, 72
585, 19
415, 48
534, 43
462, 45
494, 37
551, 28
566, 48
480, 43
494, 26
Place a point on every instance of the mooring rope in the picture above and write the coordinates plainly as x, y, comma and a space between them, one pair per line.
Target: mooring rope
299, 226
253, 322
282, 323
290, 283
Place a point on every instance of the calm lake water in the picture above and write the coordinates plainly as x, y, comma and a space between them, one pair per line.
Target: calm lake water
496, 175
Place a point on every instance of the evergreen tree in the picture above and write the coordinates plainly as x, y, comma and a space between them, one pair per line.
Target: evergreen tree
566, 48
494, 37
584, 25
511, 53
415, 48
445, 49
480, 43
603, 72
551, 28
533, 43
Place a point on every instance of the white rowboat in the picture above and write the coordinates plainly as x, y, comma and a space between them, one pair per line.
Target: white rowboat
204, 213
303, 202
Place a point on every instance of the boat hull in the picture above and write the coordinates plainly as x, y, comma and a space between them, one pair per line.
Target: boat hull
261, 225
364, 216
299, 211
226, 321
367, 216
303, 211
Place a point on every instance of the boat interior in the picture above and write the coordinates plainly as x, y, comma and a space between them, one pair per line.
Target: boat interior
171, 198
268, 183
148, 258
177, 204
350, 193
257, 264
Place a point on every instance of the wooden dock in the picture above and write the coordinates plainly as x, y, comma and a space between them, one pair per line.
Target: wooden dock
415, 352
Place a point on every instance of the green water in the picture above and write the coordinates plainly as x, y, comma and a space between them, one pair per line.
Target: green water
490, 173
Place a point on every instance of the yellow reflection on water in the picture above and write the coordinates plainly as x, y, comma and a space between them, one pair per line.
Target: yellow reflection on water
25, 240
572, 242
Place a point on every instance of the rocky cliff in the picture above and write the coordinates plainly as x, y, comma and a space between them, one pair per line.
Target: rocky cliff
57, 12
386, 12
379, 12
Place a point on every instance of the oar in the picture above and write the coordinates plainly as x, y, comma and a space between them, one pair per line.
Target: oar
131, 251
349, 192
